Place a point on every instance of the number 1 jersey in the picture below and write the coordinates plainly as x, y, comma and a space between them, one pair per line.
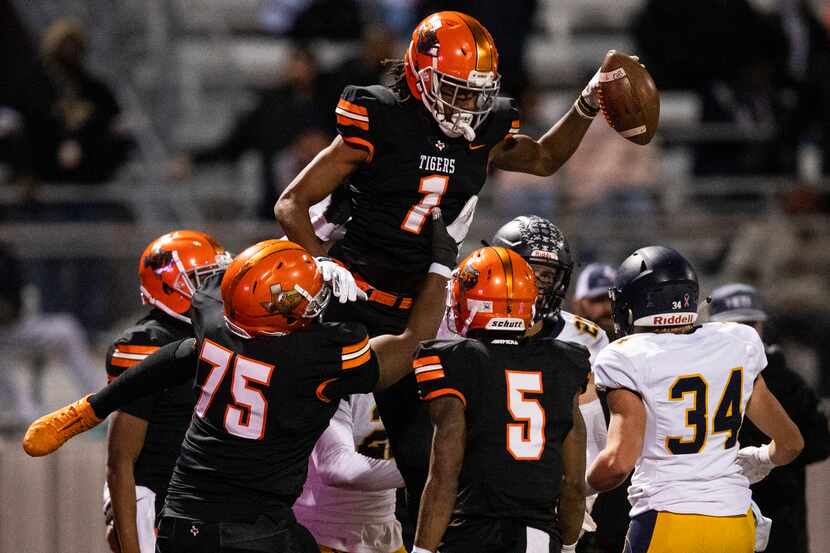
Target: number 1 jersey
695, 388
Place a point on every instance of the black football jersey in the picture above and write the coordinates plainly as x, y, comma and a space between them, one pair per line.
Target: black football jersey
167, 413
518, 398
261, 405
412, 167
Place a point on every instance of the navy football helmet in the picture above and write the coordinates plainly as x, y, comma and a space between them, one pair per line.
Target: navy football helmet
545, 248
655, 287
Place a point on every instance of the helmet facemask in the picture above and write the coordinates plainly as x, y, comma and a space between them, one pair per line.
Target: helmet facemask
458, 106
552, 281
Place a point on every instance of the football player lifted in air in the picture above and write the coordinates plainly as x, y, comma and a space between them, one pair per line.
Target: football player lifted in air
146, 435
678, 393
509, 440
268, 377
426, 141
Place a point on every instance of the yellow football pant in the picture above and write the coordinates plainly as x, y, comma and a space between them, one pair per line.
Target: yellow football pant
663, 532
324, 549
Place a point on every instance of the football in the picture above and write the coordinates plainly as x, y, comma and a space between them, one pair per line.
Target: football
628, 98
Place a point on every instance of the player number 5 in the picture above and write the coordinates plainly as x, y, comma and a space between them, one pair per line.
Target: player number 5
525, 439
433, 188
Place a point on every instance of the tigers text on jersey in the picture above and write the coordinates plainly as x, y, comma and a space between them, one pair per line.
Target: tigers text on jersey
355, 519
167, 413
412, 167
695, 388
518, 400
262, 404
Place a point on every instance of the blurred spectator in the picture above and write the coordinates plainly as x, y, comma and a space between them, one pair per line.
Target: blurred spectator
510, 23
781, 495
280, 117
27, 335
591, 300
86, 141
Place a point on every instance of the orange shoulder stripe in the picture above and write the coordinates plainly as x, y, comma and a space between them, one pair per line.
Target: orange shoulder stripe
348, 121
356, 347
429, 375
130, 348
516, 124
356, 362
121, 362
348, 106
446, 392
428, 360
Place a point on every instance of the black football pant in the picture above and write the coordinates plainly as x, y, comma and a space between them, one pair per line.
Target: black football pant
404, 416
277, 533
488, 535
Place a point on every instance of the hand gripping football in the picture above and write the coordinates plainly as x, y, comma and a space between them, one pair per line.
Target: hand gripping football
628, 98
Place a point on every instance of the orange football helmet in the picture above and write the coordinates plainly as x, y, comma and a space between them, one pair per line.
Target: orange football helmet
174, 265
451, 65
274, 287
493, 289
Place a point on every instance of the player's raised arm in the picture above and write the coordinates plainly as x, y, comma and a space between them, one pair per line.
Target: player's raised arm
438, 500
316, 181
395, 351
572, 497
625, 441
769, 416
174, 363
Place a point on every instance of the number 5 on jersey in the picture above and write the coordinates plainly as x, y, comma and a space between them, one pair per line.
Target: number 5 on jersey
525, 439
245, 416
433, 188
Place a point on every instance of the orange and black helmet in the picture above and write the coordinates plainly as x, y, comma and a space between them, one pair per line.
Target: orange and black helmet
450, 57
493, 289
174, 265
273, 288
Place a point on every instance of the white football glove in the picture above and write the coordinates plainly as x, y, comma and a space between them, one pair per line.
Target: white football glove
589, 93
763, 525
459, 228
755, 462
340, 279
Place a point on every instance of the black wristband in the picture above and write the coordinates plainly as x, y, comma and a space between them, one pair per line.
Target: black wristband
585, 109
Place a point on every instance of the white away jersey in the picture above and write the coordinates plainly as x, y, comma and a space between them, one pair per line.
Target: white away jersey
695, 388
583, 332
348, 500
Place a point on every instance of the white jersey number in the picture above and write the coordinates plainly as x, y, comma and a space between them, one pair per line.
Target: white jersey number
433, 188
245, 416
525, 439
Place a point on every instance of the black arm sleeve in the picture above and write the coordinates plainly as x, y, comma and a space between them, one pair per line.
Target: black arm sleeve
168, 366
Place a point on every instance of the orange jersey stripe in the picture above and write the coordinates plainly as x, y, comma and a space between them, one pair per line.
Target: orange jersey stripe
516, 124
429, 360
321, 388
348, 106
129, 348
356, 347
352, 363
446, 392
346, 121
429, 375
119, 362
365, 144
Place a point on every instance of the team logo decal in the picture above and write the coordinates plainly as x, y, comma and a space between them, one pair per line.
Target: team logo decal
282, 302
159, 260
428, 40
468, 277
439, 145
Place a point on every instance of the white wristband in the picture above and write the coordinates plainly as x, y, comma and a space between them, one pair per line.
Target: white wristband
763, 455
444, 271
567, 548
417, 549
